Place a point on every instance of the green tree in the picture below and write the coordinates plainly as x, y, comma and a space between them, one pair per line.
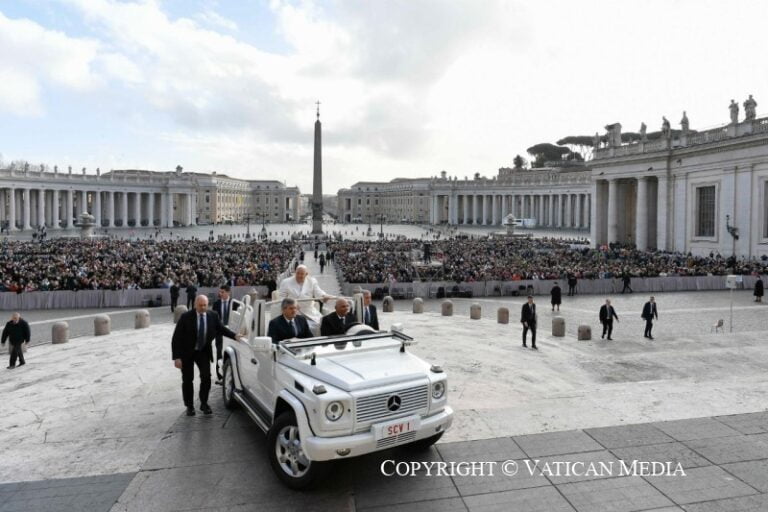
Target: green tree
545, 151
519, 162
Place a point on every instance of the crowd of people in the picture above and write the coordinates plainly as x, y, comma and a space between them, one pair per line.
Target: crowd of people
107, 264
503, 259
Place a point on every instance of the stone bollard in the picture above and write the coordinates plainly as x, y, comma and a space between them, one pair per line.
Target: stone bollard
418, 305
388, 306
60, 332
446, 308
102, 325
180, 310
142, 319
275, 296
475, 311
585, 333
558, 326
503, 316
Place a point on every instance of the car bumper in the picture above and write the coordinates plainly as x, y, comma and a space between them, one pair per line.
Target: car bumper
325, 448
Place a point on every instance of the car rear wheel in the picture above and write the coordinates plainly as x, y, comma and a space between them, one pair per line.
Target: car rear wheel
228, 389
287, 457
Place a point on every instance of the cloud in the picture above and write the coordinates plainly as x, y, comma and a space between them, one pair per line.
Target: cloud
212, 18
32, 56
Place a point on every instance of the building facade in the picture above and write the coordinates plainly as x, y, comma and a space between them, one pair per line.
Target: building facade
551, 197
685, 192
33, 198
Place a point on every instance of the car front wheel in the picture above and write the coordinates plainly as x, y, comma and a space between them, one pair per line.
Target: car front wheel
287, 456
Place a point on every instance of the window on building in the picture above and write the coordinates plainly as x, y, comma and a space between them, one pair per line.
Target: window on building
705, 211
765, 209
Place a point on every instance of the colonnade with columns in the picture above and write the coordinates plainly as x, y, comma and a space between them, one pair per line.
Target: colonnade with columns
566, 210
30, 207
631, 210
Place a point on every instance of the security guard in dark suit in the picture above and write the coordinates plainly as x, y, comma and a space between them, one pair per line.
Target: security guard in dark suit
289, 324
191, 345
649, 313
528, 319
223, 306
337, 322
17, 331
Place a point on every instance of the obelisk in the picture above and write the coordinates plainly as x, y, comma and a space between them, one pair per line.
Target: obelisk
317, 185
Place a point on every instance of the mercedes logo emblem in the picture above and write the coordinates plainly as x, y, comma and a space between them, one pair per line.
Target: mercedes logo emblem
394, 402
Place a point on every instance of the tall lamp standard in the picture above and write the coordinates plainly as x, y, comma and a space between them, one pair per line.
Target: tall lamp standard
247, 218
734, 232
382, 218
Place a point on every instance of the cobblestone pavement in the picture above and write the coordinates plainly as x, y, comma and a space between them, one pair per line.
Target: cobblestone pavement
219, 463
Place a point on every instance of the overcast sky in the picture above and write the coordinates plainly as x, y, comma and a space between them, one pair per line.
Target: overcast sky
407, 87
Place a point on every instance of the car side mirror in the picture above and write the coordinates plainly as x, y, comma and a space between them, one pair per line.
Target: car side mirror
261, 343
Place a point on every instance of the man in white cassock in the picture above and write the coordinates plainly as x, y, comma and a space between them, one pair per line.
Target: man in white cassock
301, 286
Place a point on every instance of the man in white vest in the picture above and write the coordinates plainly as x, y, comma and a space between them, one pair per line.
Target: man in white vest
301, 286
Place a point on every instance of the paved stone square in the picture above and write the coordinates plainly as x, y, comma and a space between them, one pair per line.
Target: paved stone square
110, 408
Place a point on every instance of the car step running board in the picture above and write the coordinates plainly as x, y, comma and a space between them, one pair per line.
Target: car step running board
253, 410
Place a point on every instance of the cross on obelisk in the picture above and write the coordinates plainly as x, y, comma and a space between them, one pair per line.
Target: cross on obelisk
317, 185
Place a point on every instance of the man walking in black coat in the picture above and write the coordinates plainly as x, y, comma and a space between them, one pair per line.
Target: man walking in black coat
191, 294
528, 319
627, 281
223, 306
557, 297
337, 322
17, 331
289, 324
607, 314
191, 345
572, 284
174, 296
649, 313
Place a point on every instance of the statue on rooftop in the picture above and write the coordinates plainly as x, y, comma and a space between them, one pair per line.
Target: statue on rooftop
665, 127
734, 108
643, 129
684, 123
749, 109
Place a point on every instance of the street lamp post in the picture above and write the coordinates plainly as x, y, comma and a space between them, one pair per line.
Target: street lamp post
247, 226
381, 218
734, 232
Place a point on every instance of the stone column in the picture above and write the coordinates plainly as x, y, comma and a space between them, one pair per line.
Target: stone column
82, 207
12, 209
662, 207
26, 213
568, 212
111, 208
55, 210
504, 207
97, 208
641, 215
69, 217
485, 210
613, 210
169, 211
465, 212
41, 208
190, 215
594, 235
494, 216
151, 210
124, 208
193, 209
164, 210
137, 209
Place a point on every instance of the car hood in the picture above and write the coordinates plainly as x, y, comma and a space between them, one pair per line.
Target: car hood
354, 371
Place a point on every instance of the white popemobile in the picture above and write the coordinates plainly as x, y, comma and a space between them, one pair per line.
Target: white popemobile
331, 397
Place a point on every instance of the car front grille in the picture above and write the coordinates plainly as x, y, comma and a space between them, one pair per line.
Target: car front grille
396, 440
373, 408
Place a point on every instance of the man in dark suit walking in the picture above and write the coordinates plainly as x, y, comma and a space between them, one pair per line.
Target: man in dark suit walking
607, 314
289, 324
191, 294
222, 306
649, 313
174, 296
337, 322
17, 331
191, 345
370, 317
528, 319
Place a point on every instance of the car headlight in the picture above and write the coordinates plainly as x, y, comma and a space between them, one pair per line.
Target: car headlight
438, 390
334, 411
